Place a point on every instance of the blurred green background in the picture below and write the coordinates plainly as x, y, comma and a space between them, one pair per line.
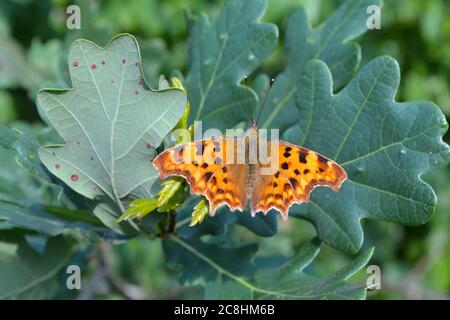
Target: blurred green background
34, 39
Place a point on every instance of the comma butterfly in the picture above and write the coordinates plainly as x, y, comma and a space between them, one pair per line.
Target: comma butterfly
229, 171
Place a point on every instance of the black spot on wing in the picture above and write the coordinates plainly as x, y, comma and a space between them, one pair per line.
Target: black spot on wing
207, 176
293, 182
322, 159
302, 156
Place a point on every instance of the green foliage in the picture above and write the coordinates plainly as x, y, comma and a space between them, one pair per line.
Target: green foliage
25, 148
222, 53
138, 209
384, 147
27, 274
112, 136
231, 273
200, 211
329, 42
169, 188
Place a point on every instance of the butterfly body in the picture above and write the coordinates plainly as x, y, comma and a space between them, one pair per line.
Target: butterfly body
251, 169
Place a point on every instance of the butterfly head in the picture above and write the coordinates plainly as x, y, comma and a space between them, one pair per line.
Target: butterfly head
252, 133
254, 126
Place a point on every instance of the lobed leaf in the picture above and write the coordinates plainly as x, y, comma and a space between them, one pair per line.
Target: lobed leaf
331, 42
111, 122
221, 53
229, 273
27, 274
384, 146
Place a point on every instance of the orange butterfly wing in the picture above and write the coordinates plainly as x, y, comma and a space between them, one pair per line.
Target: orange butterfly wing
299, 171
204, 166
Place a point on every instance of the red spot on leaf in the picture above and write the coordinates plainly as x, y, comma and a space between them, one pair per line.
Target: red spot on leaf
78, 142
136, 92
140, 81
75, 63
57, 166
103, 62
148, 145
74, 177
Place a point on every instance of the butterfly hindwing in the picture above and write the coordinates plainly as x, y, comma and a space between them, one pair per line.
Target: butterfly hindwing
271, 192
300, 170
227, 187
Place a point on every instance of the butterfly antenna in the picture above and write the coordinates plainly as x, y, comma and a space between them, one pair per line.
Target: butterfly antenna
248, 99
264, 101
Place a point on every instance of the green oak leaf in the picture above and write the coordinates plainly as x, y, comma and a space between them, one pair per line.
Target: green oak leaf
231, 273
384, 146
35, 204
330, 42
15, 69
27, 274
111, 123
221, 54
196, 259
26, 150
50, 220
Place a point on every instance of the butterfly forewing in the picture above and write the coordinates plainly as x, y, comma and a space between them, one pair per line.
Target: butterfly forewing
207, 167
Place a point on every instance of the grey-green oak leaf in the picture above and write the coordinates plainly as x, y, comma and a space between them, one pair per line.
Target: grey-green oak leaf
331, 42
27, 274
221, 54
232, 273
110, 120
384, 146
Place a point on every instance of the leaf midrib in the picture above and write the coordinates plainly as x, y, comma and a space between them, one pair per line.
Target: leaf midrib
358, 114
111, 142
38, 280
232, 276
